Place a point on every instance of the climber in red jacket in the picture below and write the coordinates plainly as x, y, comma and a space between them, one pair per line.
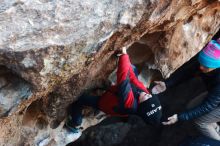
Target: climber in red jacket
128, 96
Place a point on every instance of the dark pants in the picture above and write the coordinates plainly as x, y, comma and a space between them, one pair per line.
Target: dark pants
75, 109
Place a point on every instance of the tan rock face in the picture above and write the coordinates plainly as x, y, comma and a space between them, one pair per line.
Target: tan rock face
62, 48
50, 39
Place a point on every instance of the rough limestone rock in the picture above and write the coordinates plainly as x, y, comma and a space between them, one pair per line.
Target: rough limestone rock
56, 50
13, 90
51, 39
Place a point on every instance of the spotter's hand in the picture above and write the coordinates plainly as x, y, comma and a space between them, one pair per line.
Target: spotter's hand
171, 120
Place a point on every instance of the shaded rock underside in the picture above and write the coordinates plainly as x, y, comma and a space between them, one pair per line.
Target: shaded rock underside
66, 47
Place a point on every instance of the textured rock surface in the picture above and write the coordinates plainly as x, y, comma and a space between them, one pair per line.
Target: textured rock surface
58, 49
13, 90
49, 39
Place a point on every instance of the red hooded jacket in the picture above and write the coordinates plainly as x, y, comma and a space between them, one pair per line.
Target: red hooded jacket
124, 95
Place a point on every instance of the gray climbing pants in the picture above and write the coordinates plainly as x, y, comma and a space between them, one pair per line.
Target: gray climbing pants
207, 124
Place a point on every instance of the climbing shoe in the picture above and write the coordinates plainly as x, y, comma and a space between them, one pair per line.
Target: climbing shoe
70, 126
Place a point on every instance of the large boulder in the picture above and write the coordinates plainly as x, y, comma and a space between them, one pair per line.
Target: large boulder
55, 50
